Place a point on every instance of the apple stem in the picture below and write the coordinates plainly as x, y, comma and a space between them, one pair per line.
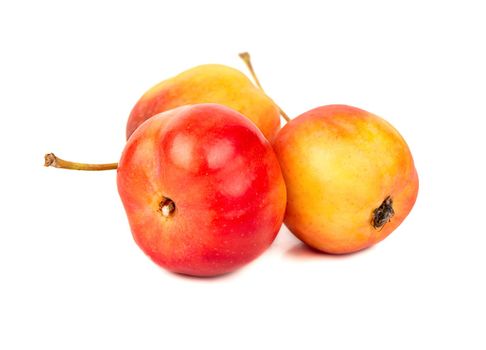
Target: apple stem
245, 56
52, 160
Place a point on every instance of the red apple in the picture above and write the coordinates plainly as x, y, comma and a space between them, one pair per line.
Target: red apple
202, 189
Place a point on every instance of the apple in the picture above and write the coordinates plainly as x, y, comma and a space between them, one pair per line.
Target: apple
202, 189
209, 83
350, 177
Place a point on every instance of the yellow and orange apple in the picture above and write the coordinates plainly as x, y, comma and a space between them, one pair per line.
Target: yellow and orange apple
350, 178
210, 83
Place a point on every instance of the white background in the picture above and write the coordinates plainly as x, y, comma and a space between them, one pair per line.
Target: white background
71, 276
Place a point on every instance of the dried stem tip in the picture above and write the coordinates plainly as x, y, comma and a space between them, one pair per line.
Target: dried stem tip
50, 160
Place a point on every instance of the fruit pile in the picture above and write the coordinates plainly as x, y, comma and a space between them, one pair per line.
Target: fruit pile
207, 176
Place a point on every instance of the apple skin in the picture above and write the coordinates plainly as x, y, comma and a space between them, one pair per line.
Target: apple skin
210, 83
224, 179
340, 163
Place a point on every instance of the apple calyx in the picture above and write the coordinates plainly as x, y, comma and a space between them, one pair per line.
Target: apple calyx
383, 214
167, 207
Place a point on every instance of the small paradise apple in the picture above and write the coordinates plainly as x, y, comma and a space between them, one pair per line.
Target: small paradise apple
209, 83
350, 178
202, 189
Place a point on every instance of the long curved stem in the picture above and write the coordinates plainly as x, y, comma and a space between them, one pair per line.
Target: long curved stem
51, 160
245, 56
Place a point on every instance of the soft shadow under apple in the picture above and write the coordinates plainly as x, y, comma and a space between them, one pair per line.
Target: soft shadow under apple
301, 251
